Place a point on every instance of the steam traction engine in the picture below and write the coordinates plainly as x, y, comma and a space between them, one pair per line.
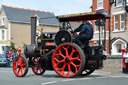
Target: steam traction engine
61, 54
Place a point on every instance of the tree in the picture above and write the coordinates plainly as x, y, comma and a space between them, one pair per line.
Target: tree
12, 47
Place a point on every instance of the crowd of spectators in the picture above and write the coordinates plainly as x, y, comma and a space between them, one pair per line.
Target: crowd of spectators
10, 56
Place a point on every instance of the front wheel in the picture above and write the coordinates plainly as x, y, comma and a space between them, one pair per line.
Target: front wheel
68, 60
36, 67
20, 66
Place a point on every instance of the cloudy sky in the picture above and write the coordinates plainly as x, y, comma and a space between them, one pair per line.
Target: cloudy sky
59, 7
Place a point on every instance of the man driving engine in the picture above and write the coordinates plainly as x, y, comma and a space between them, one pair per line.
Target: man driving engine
86, 33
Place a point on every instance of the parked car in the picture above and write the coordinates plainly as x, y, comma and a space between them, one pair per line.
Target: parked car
3, 61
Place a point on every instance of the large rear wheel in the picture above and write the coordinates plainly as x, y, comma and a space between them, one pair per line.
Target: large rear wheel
68, 60
20, 66
36, 67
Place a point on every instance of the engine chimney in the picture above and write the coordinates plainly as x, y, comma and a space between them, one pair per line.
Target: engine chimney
34, 19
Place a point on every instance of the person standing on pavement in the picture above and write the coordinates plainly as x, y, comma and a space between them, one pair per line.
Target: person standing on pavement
19, 51
9, 57
13, 56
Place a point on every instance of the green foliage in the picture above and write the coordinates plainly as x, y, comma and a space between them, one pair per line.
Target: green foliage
24, 45
12, 47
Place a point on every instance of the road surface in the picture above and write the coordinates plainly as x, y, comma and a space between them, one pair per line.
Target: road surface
7, 77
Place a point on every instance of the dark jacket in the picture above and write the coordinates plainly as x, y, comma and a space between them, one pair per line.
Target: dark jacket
86, 31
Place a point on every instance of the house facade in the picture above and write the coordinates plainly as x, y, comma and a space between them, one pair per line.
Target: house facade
15, 25
101, 5
116, 27
119, 21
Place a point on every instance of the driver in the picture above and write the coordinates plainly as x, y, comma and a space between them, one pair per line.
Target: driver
86, 33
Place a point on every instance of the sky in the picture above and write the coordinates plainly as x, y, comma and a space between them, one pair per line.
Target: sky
59, 7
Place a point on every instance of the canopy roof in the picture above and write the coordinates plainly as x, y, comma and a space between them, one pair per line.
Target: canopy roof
84, 16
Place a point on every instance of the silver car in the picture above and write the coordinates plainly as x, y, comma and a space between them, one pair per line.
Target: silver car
3, 61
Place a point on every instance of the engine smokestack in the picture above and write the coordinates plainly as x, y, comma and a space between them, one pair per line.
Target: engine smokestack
34, 19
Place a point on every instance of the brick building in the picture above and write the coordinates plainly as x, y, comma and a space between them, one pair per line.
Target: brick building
116, 27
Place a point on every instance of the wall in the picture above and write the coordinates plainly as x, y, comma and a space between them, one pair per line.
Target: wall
21, 33
113, 63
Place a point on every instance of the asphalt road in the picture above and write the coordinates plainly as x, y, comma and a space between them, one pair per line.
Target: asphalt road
7, 77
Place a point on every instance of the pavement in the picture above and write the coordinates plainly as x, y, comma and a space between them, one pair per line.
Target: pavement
111, 70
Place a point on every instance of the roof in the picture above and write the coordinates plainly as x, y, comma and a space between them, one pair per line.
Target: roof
23, 15
84, 16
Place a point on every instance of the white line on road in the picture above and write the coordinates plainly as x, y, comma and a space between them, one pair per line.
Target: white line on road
46, 83
84, 78
69, 80
118, 76
100, 77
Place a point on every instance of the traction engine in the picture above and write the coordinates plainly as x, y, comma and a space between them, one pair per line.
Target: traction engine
61, 53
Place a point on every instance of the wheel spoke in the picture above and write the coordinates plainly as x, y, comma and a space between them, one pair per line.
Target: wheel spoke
56, 66
59, 69
40, 70
64, 67
75, 66
22, 60
69, 69
66, 50
21, 71
17, 63
77, 58
23, 65
71, 54
23, 68
18, 70
56, 59
19, 60
61, 61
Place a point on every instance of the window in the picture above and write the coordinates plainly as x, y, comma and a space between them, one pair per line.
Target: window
116, 23
3, 35
99, 4
119, 2
119, 47
122, 22
2, 21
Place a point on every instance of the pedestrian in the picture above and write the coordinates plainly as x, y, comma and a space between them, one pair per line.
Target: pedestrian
7, 58
13, 56
19, 51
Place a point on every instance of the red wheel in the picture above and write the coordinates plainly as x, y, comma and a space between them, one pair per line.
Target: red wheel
87, 72
68, 60
20, 66
36, 67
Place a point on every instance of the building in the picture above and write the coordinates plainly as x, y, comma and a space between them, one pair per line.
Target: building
116, 27
101, 5
119, 27
15, 25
